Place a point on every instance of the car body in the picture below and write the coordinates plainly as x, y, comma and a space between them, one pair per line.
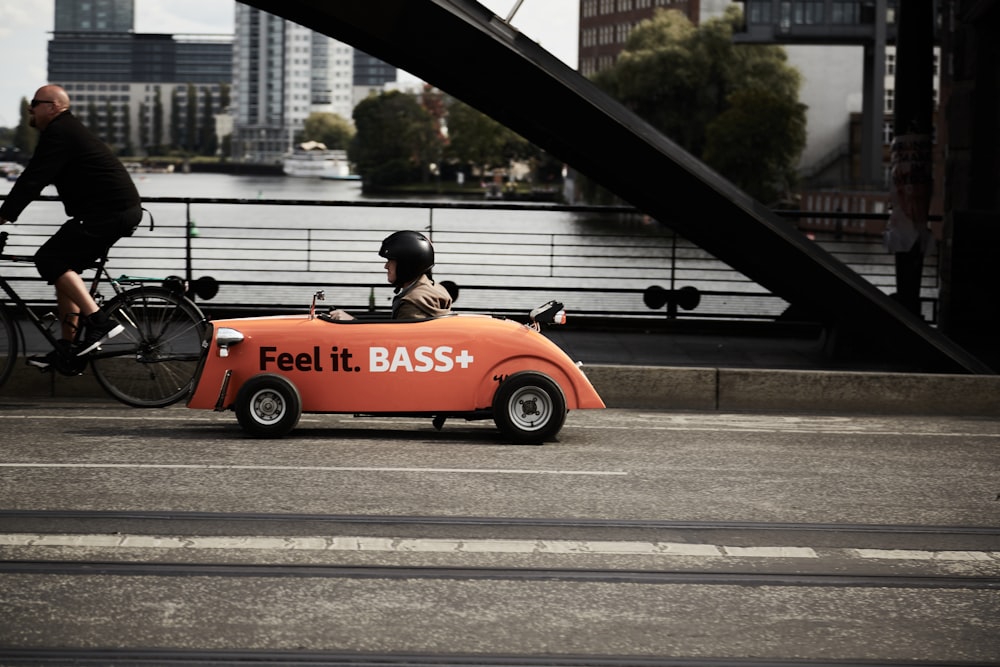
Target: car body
269, 370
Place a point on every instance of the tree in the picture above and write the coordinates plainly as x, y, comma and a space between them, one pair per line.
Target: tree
25, 138
330, 129
209, 143
476, 139
128, 149
108, 129
145, 138
191, 119
681, 78
156, 147
93, 118
176, 138
393, 132
762, 162
223, 97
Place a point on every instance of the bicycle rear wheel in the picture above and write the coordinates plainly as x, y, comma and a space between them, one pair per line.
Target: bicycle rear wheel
153, 362
8, 344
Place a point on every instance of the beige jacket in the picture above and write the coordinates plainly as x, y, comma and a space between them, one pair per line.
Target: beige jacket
421, 299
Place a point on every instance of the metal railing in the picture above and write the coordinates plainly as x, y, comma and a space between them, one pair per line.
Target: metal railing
272, 254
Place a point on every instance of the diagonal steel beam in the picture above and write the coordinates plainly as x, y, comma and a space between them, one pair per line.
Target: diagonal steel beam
464, 49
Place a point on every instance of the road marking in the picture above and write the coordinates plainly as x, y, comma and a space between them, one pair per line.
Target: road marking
784, 425
393, 545
782, 429
207, 466
359, 544
770, 552
917, 554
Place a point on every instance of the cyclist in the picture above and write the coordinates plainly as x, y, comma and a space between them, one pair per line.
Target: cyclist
102, 202
409, 257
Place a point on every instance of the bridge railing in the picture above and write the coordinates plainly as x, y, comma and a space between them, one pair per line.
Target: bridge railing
503, 257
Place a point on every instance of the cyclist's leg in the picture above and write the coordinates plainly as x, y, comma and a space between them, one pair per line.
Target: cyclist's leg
73, 302
60, 260
102, 232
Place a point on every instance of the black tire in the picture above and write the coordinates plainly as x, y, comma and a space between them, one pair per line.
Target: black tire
8, 344
529, 408
268, 406
153, 362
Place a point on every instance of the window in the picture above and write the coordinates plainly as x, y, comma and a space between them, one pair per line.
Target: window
760, 11
845, 13
808, 12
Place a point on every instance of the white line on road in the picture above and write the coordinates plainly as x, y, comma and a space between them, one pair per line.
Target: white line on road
359, 544
206, 466
769, 426
391, 545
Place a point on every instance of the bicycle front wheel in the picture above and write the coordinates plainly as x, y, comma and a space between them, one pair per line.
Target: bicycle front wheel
8, 344
153, 362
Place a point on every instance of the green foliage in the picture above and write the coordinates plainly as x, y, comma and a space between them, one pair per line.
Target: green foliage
128, 148
330, 129
681, 79
190, 142
760, 161
208, 142
25, 136
175, 119
156, 140
477, 140
392, 139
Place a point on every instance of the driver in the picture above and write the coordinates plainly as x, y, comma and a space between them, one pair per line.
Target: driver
409, 257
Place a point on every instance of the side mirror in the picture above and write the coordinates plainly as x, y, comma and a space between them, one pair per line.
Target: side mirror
548, 313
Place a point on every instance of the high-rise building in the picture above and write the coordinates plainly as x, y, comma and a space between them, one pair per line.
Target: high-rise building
128, 86
606, 24
95, 15
284, 72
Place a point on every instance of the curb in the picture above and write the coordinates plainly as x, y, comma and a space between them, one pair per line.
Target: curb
702, 389
735, 390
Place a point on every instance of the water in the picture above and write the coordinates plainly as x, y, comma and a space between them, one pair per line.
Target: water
518, 258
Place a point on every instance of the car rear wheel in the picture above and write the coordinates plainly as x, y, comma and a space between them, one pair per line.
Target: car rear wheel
529, 408
268, 406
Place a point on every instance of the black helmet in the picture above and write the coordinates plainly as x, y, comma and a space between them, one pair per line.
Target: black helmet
413, 253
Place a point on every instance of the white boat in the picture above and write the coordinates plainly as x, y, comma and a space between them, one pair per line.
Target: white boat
314, 160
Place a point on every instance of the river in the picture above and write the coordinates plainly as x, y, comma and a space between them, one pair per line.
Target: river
596, 264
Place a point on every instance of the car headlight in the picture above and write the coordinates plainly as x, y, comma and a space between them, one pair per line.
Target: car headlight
226, 337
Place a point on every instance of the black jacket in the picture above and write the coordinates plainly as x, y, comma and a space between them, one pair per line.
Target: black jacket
91, 181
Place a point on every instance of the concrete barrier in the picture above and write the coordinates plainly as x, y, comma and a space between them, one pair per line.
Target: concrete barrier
727, 389
886, 393
703, 389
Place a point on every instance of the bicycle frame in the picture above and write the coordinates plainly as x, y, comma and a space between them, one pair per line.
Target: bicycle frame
20, 306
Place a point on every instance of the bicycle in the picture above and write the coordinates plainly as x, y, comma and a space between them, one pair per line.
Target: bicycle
151, 364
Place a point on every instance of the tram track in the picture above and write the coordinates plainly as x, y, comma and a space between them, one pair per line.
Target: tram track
171, 522
601, 575
221, 658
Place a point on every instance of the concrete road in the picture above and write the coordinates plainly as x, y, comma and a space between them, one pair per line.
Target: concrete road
638, 535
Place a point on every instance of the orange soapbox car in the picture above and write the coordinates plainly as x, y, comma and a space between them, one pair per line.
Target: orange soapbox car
270, 370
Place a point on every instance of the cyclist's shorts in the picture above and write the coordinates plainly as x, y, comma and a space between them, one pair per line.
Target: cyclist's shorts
78, 245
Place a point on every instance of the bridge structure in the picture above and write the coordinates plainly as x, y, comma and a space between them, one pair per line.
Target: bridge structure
464, 49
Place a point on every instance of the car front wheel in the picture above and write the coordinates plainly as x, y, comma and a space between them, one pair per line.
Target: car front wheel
268, 406
529, 408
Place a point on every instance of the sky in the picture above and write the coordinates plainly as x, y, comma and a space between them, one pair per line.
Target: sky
25, 28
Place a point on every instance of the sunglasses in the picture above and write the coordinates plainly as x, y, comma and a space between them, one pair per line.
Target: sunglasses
35, 103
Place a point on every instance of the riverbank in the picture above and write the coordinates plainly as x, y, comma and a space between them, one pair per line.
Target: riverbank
470, 190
